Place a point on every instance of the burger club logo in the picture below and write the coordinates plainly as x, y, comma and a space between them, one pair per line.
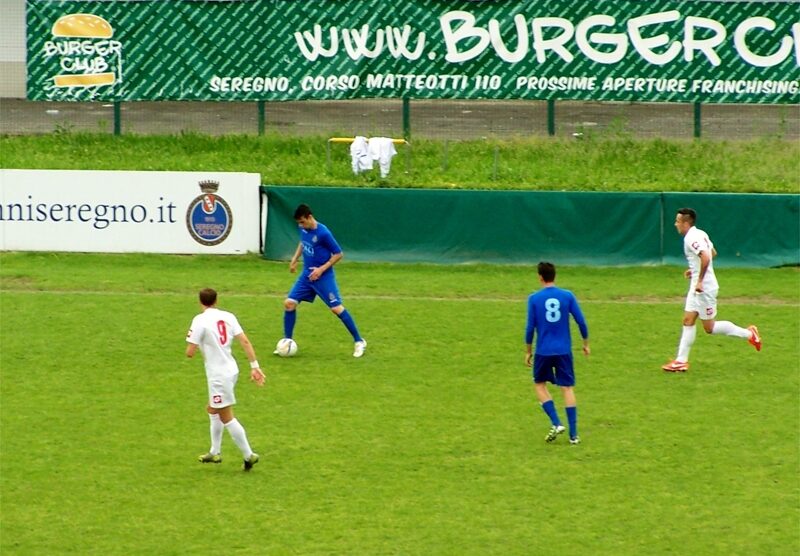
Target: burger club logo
209, 218
87, 55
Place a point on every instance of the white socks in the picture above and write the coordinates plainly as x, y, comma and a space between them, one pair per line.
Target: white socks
216, 433
236, 430
727, 328
721, 327
687, 340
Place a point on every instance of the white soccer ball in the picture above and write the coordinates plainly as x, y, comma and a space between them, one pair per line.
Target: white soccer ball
286, 347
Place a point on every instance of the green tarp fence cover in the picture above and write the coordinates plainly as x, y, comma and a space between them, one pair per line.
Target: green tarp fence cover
447, 226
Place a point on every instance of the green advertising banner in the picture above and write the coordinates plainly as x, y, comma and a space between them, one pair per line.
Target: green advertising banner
614, 50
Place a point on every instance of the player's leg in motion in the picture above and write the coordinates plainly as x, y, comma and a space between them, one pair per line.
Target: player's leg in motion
571, 409
216, 433
549, 407
216, 428
727, 328
350, 324
347, 320
239, 436
688, 335
289, 317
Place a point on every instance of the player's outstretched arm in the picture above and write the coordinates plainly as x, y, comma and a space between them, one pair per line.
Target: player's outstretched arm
256, 374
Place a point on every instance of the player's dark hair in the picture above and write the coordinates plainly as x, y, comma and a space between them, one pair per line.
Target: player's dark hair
208, 297
688, 214
547, 271
302, 211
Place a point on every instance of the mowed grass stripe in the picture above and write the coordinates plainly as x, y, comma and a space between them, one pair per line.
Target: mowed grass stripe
761, 301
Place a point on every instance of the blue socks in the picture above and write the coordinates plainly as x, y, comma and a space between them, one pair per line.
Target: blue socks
550, 408
289, 318
350, 324
572, 417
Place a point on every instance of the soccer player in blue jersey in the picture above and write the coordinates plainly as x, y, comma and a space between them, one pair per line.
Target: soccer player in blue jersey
320, 252
548, 316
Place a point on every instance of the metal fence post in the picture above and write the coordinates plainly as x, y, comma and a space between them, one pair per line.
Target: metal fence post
117, 117
261, 117
697, 120
407, 119
551, 117
328, 155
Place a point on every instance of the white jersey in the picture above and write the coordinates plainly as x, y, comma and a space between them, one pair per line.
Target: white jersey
213, 330
695, 241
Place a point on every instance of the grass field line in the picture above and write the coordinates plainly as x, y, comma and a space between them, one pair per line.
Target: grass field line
628, 300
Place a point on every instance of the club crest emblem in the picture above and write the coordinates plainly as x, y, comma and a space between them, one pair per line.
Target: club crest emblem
209, 218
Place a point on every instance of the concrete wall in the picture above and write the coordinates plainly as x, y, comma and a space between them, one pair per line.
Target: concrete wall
12, 48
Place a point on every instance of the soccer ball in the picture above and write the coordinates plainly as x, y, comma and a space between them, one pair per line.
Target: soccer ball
286, 347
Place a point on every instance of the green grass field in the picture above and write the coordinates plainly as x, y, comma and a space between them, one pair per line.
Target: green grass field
598, 163
430, 444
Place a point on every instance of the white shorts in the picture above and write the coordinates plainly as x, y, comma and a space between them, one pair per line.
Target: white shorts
703, 303
220, 391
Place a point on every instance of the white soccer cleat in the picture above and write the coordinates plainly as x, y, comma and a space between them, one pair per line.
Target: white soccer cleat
360, 348
555, 430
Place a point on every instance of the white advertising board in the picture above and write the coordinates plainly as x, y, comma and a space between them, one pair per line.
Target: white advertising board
119, 212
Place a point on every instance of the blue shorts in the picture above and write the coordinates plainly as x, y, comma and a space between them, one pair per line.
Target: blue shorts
325, 287
557, 369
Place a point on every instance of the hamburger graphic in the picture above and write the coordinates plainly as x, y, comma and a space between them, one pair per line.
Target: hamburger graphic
80, 32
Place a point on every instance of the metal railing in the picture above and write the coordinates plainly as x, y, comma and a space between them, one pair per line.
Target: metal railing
430, 119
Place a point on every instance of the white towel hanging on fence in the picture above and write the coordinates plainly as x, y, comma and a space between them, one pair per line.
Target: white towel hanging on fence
360, 155
382, 149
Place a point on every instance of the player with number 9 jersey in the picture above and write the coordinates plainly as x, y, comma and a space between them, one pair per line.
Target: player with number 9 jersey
213, 331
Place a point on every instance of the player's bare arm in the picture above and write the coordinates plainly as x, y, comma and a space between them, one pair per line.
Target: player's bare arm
317, 271
256, 374
295, 258
705, 260
191, 349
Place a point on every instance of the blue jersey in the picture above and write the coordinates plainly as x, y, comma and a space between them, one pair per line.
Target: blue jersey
548, 315
318, 246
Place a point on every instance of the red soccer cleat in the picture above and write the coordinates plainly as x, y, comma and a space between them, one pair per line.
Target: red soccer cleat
676, 366
755, 339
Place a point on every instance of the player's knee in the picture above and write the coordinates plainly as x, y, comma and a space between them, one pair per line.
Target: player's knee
338, 310
289, 305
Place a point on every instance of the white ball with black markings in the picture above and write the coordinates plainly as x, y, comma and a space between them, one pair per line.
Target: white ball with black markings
286, 347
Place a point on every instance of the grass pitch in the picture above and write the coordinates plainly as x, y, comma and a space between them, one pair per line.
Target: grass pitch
430, 444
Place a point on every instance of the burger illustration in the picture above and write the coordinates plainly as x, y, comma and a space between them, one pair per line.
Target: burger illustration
82, 28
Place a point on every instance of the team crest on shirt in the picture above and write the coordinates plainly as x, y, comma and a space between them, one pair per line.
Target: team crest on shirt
209, 218
314, 238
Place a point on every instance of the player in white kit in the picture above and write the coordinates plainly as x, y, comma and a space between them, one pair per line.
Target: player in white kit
213, 332
702, 297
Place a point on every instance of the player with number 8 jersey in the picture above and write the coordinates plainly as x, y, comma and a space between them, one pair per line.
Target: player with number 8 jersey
549, 311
